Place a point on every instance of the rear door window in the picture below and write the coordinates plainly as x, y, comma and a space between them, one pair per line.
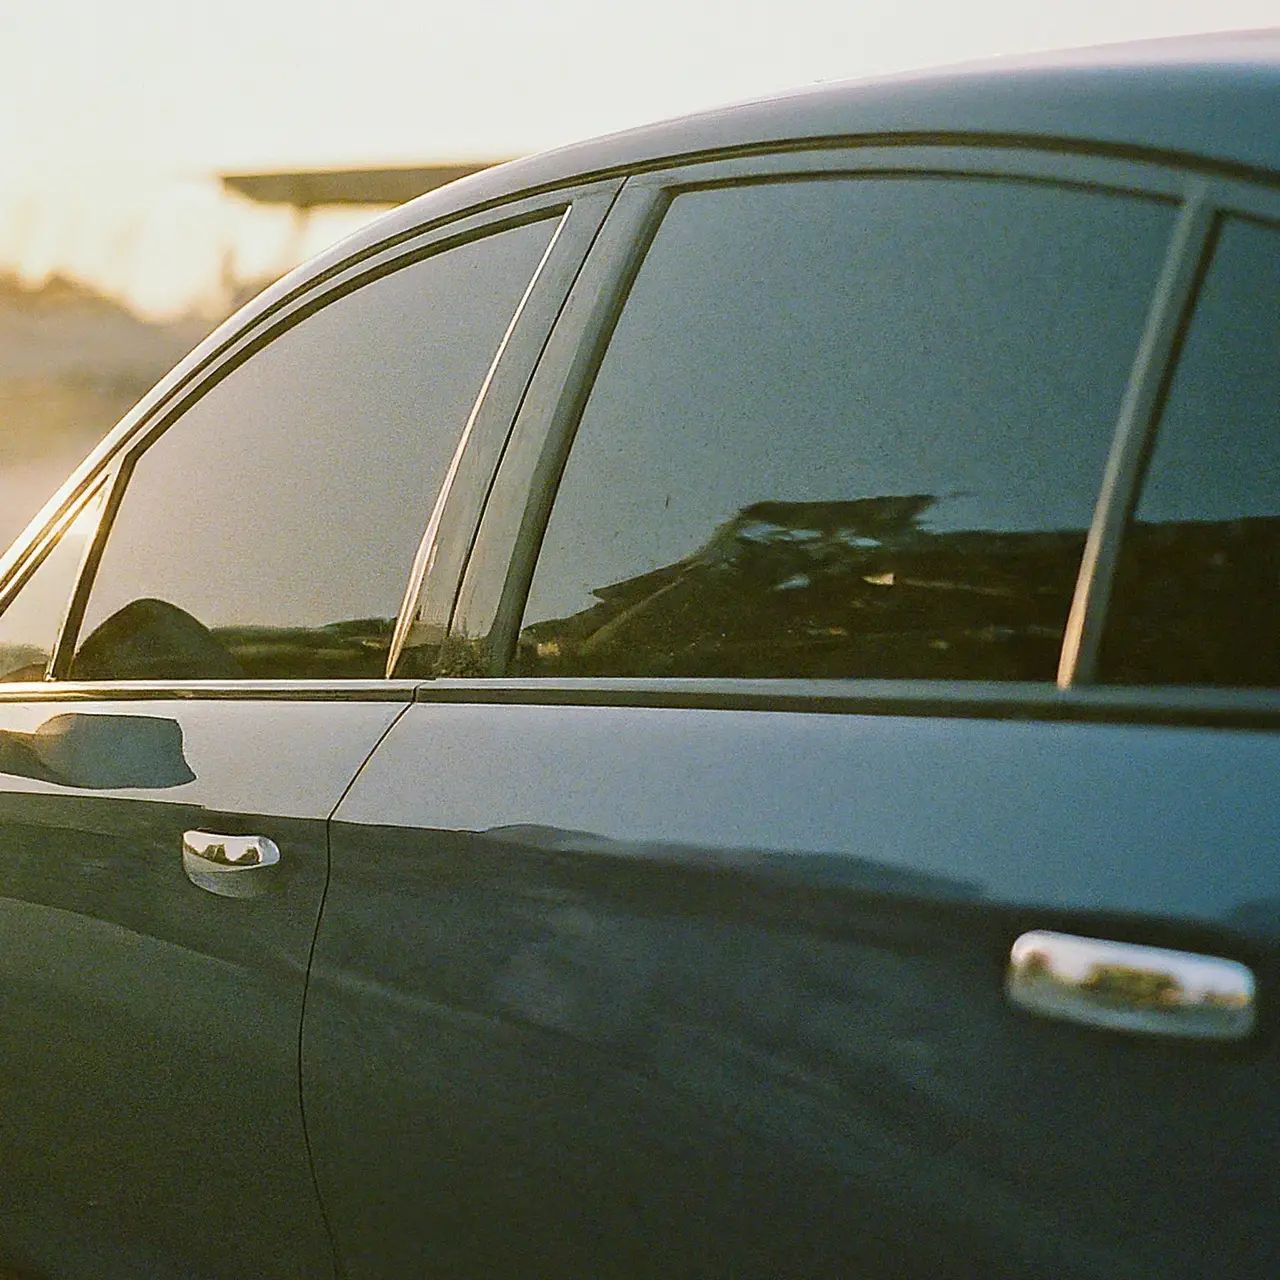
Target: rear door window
1197, 593
847, 427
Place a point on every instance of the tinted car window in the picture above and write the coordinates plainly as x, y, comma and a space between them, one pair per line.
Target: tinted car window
1197, 595
847, 428
269, 533
29, 626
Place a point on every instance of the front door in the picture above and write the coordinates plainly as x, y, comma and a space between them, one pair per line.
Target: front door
164, 789
151, 989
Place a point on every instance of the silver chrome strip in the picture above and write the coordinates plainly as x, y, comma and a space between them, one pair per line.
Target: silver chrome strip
51, 535
495, 581
100, 494
426, 548
363, 690
1146, 178
1184, 706
1189, 246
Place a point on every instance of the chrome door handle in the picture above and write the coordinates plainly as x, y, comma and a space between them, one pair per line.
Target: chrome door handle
1121, 986
230, 866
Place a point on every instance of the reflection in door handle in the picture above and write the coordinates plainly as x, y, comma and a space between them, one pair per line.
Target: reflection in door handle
1120, 986
230, 866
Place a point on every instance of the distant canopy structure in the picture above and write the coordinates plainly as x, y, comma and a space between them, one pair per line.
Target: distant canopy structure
303, 191
307, 189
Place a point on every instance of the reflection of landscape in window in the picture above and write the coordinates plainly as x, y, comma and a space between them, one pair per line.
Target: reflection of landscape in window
154, 640
829, 589
22, 662
1197, 602
352, 649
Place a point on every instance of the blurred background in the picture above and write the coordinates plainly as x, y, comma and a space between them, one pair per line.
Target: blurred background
159, 163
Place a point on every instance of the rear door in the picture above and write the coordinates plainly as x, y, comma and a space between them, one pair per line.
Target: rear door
785, 902
164, 795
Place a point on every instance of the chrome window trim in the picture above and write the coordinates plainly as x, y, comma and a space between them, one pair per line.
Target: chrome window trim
1202, 164
361, 690
1242, 200
20, 572
427, 546
1216, 708
64, 648
1138, 177
1208, 205
100, 485
490, 597
1188, 258
450, 532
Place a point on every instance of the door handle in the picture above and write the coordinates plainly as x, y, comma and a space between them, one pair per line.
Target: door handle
1122, 986
230, 866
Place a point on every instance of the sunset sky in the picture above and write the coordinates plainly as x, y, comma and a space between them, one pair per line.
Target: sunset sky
114, 117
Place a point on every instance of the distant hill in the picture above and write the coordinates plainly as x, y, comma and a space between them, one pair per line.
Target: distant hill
72, 362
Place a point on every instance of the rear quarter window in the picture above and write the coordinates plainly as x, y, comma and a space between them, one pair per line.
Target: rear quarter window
1197, 594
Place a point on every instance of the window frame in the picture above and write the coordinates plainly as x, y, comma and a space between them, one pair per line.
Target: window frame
579, 210
486, 618
96, 491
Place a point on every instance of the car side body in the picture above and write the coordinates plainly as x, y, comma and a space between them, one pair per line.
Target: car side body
705, 703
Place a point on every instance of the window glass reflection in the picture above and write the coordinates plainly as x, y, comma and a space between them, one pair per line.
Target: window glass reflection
269, 533
1197, 596
848, 428
29, 626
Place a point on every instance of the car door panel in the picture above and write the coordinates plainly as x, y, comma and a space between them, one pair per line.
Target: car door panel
150, 1120
680, 958
626, 990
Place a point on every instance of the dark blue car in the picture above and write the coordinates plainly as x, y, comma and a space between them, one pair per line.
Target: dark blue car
705, 704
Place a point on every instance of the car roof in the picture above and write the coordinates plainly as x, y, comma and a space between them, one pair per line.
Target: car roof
1211, 100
